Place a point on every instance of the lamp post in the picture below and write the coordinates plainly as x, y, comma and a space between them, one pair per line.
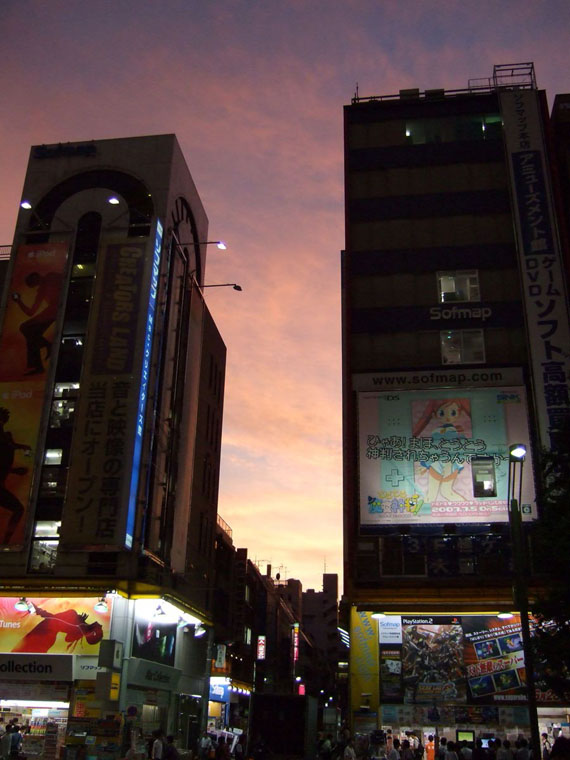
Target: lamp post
517, 455
233, 285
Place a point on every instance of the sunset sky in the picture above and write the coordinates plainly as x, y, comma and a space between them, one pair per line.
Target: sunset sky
254, 90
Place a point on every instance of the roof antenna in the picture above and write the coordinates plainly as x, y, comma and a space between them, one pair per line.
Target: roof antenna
356, 93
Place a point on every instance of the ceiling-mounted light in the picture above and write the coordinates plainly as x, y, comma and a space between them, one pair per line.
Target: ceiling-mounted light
26, 204
505, 615
101, 605
378, 615
199, 631
22, 605
113, 200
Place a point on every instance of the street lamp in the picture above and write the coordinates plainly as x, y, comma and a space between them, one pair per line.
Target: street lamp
233, 285
517, 454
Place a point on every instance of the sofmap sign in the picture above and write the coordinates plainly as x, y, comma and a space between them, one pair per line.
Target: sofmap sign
460, 312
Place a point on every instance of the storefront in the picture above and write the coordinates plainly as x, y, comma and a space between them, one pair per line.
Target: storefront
100, 673
462, 677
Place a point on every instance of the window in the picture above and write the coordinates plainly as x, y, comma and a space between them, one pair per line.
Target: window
457, 129
44, 546
462, 285
483, 473
247, 635
462, 346
53, 456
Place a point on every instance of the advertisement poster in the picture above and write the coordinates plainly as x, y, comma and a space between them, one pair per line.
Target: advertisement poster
473, 661
390, 675
438, 456
53, 626
28, 332
494, 659
20, 413
154, 636
432, 660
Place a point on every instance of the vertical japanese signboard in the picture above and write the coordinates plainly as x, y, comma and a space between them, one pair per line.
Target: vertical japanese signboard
104, 473
29, 330
540, 260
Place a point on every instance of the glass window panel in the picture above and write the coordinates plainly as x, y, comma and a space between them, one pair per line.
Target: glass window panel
462, 346
460, 285
53, 456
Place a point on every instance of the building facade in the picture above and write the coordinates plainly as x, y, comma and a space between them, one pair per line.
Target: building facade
455, 346
112, 381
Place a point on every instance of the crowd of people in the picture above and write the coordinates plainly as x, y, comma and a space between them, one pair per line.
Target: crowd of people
384, 746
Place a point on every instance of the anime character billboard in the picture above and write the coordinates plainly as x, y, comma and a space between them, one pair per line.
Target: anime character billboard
53, 626
440, 456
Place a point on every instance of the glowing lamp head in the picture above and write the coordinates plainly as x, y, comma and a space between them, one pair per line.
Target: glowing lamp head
517, 452
505, 615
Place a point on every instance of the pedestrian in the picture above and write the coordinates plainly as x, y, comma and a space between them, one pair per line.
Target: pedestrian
394, 751
546, 747
222, 750
479, 752
450, 753
442, 749
349, 753
204, 746
407, 752
157, 752
5, 743
15, 741
170, 751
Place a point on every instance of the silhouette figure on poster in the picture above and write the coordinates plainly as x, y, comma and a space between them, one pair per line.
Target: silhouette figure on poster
8, 500
43, 636
33, 329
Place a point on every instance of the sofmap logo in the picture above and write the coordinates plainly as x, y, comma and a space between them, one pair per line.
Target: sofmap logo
460, 312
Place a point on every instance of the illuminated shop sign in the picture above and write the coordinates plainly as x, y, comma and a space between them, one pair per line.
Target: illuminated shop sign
261, 647
53, 626
439, 456
295, 641
143, 389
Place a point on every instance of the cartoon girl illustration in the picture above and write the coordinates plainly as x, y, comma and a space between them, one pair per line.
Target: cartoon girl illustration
443, 420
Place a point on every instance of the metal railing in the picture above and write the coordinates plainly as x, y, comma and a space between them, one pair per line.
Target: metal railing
518, 76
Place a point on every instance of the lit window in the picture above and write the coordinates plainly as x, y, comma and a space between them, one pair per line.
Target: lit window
53, 456
484, 482
461, 285
247, 635
62, 413
44, 546
462, 346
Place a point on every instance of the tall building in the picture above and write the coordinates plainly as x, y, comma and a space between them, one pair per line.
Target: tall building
111, 383
455, 346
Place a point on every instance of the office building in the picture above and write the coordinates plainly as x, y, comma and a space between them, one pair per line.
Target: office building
112, 382
455, 346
